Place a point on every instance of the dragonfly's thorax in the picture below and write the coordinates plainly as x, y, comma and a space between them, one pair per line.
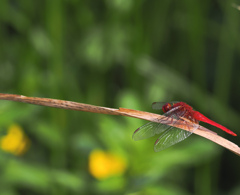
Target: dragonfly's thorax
179, 105
181, 109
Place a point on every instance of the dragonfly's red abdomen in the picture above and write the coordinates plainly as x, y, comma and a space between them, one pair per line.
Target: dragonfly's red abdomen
197, 115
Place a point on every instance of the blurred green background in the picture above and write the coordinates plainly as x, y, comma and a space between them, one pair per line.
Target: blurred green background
116, 53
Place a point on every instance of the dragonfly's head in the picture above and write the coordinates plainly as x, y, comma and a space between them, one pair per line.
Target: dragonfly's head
166, 107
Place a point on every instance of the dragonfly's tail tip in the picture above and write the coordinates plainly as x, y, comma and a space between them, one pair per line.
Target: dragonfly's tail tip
233, 134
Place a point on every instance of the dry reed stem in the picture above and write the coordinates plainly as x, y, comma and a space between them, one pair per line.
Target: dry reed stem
202, 131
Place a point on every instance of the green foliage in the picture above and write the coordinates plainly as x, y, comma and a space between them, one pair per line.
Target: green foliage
118, 53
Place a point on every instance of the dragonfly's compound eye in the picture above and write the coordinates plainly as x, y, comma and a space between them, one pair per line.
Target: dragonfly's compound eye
166, 107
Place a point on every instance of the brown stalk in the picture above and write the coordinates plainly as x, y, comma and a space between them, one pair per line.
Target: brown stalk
202, 131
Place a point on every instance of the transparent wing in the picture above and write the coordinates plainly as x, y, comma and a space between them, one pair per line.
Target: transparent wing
150, 129
159, 105
173, 136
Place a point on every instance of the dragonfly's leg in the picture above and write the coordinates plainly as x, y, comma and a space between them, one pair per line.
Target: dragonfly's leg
187, 126
190, 125
166, 121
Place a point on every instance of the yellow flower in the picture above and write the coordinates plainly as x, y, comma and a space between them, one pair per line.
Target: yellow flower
104, 164
15, 141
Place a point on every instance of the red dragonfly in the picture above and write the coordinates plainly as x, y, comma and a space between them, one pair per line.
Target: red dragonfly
169, 135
